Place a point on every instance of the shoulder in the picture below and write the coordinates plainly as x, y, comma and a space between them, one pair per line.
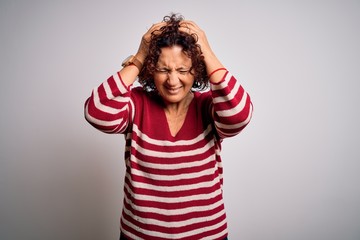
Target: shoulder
138, 93
140, 97
203, 102
202, 97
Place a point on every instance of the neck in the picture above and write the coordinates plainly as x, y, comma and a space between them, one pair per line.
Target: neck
179, 107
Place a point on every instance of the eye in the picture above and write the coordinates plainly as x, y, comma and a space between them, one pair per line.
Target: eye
183, 71
162, 70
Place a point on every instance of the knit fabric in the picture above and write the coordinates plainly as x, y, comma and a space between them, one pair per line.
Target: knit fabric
173, 184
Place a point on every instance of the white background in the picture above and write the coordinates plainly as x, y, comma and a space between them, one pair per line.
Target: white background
293, 173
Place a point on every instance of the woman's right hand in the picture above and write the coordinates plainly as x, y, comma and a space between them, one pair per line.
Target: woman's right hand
129, 74
145, 41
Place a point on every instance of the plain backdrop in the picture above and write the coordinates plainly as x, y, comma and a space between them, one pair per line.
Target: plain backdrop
292, 174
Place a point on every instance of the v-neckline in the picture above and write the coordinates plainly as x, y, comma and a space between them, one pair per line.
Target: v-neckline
182, 125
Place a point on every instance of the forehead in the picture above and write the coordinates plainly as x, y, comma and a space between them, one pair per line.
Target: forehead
173, 57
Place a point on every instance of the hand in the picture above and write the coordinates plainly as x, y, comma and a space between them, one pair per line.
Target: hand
191, 27
211, 61
145, 40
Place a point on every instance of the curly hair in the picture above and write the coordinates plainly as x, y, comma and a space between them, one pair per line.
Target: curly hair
168, 36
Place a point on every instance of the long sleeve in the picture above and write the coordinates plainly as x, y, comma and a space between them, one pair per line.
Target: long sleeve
109, 108
232, 106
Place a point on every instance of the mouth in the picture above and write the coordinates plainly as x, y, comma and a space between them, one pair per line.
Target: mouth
173, 90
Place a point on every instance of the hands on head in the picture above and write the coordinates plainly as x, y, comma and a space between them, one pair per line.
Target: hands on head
168, 28
186, 26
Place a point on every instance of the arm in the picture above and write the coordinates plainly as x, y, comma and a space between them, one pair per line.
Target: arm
129, 74
212, 62
110, 108
231, 105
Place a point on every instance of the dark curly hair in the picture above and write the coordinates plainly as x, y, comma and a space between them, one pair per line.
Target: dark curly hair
168, 36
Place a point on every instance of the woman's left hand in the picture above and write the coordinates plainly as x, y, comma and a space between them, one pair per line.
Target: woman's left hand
211, 61
191, 27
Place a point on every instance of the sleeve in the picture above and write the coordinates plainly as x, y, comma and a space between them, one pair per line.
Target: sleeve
109, 108
231, 106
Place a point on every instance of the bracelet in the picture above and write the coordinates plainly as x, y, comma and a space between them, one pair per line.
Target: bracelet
216, 71
132, 60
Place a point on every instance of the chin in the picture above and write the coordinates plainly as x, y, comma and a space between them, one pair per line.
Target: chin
172, 99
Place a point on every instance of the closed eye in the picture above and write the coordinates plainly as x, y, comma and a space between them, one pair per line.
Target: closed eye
168, 71
162, 70
183, 72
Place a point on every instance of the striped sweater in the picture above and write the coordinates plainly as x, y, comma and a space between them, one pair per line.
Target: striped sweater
173, 185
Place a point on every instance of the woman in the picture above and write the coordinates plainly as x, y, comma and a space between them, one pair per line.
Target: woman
173, 182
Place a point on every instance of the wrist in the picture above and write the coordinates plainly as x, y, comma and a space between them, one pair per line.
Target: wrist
140, 57
133, 60
211, 62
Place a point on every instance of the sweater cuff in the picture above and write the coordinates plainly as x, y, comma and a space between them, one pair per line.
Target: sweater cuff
121, 85
221, 81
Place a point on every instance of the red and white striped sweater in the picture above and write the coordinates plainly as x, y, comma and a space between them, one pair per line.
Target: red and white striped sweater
173, 185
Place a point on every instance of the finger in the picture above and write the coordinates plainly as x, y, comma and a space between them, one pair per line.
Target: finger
186, 29
190, 24
156, 26
189, 27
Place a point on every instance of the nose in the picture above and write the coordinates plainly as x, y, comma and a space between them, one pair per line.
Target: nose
173, 78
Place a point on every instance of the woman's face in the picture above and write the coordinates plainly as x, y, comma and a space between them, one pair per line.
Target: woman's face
172, 77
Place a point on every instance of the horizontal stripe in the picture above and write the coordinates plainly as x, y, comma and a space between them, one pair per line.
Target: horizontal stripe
196, 185
174, 224
228, 97
168, 155
172, 228
103, 107
148, 139
173, 194
119, 83
175, 166
173, 200
173, 236
223, 84
109, 94
235, 126
170, 209
235, 110
99, 122
173, 175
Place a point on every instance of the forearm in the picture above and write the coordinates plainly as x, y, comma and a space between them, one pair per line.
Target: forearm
108, 108
215, 69
130, 73
232, 106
